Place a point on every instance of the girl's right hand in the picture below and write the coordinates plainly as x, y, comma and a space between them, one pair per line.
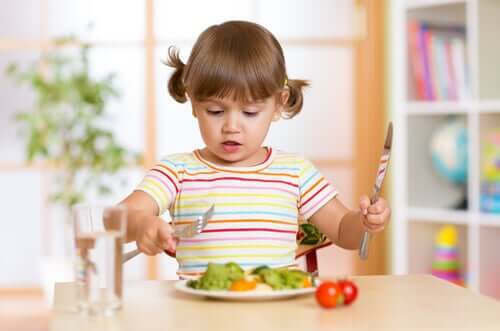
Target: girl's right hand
155, 236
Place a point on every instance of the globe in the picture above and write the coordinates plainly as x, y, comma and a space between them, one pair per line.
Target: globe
448, 148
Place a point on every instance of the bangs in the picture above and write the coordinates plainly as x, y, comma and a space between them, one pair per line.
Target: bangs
243, 80
244, 66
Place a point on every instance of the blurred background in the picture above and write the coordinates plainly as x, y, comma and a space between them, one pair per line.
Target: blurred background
84, 112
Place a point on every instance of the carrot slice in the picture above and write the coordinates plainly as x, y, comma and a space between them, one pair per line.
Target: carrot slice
307, 283
243, 285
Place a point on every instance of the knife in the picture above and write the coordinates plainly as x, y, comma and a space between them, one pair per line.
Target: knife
382, 170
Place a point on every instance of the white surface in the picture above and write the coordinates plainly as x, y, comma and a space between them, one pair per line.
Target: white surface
53, 270
439, 215
327, 114
125, 114
177, 129
489, 106
490, 219
305, 19
438, 107
110, 20
20, 238
186, 19
181, 286
14, 12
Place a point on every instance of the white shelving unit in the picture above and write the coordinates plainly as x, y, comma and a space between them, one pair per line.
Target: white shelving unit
421, 199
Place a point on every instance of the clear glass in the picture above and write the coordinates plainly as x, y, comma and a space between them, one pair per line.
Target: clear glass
99, 235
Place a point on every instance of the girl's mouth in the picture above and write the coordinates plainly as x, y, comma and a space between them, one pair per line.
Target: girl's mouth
230, 146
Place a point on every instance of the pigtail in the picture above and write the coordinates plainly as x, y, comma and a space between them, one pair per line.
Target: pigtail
176, 86
295, 101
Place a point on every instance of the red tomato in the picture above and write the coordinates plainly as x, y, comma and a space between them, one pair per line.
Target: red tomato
349, 290
329, 294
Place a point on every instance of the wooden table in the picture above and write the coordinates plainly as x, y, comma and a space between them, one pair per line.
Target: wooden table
416, 302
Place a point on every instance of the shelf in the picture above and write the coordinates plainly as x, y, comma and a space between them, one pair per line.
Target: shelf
412, 4
490, 106
438, 108
423, 199
491, 219
425, 186
440, 12
452, 107
489, 262
438, 215
421, 244
432, 33
488, 49
489, 133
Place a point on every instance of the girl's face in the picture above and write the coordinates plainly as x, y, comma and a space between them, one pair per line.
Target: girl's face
233, 131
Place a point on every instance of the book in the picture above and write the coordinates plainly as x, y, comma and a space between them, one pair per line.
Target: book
437, 61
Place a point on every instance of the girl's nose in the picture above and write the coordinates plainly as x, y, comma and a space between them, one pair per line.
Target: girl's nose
231, 122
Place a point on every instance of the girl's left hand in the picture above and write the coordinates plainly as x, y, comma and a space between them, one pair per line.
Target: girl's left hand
376, 216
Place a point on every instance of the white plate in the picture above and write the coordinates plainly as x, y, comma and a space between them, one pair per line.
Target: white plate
181, 286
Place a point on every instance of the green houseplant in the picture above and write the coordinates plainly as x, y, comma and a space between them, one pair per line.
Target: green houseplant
67, 125
67, 128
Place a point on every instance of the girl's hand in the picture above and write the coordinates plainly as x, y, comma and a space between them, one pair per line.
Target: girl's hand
375, 216
155, 236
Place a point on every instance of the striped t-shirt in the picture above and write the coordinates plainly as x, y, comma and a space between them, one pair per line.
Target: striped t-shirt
257, 208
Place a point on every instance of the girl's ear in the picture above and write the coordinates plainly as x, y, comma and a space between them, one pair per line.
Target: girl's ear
283, 97
281, 103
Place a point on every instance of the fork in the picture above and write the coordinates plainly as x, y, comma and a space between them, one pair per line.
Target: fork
187, 231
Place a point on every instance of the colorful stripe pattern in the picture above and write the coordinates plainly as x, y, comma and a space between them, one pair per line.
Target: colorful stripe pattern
256, 208
446, 256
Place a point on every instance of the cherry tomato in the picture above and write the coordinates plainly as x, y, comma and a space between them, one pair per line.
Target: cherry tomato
329, 294
349, 290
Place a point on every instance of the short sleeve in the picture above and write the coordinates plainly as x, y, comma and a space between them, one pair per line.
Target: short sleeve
162, 183
315, 191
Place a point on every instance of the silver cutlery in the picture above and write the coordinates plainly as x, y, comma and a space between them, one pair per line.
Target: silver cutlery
187, 231
382, 170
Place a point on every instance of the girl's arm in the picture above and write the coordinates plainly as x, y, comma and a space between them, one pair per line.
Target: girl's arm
345, 227
153, 235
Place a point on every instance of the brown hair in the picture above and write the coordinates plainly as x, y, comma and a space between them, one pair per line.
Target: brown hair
236, 58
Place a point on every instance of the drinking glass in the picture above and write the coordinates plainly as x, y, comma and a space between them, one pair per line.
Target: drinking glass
99, 234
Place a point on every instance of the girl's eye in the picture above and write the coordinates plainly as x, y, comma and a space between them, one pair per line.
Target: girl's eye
214, 112
251, 113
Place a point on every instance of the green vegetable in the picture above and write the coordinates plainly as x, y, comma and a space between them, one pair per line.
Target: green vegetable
258, 270
281, 279
221, 276
218, 277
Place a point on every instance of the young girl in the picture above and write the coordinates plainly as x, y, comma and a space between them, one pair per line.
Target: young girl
237, 84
